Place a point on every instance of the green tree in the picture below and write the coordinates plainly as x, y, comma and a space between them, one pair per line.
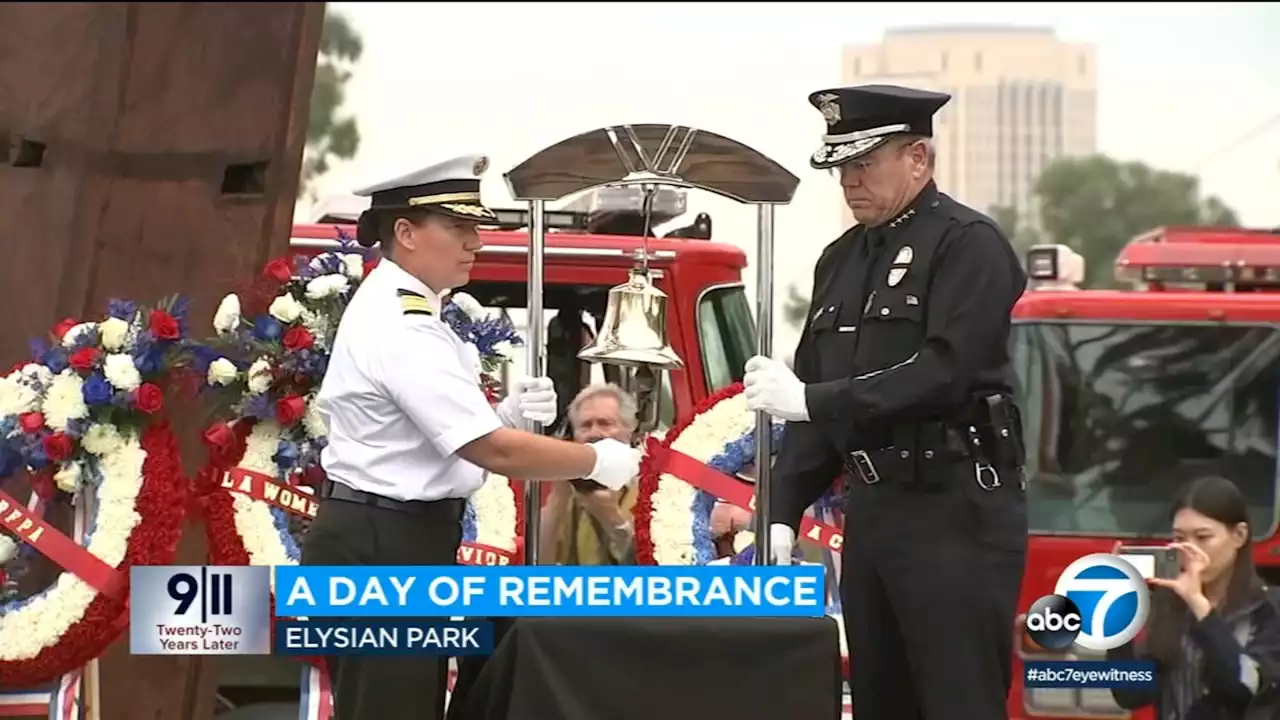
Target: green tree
1097, 204
331, 134
1009, 218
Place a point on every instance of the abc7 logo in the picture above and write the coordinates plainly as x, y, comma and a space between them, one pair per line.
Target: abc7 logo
1100, 603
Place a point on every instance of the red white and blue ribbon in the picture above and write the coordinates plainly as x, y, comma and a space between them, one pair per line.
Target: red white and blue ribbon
317, 694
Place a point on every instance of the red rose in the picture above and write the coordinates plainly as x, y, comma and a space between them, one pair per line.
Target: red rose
313, 476
369, 265
58, 446
289, 410
149, 398
31, 422
163, 325
297, 338
84, 358
278, 270
63, 327
218, 436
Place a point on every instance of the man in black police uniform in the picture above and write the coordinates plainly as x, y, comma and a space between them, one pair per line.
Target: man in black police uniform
903, 377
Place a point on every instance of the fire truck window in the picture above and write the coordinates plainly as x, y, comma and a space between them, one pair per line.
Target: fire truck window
727, 334
1117, 417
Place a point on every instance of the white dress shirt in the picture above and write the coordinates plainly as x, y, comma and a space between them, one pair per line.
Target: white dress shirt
401, 395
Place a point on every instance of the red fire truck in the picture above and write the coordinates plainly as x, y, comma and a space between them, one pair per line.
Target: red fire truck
1126, 394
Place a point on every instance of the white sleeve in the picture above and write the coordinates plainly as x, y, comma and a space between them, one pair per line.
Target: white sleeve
423, 375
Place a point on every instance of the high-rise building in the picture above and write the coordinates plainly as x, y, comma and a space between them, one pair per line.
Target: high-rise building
1020, 99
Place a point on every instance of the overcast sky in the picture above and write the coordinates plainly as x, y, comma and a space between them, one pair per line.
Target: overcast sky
1180, 86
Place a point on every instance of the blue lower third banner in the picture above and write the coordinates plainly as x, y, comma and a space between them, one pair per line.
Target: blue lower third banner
383, 637
537, 591
1135, 674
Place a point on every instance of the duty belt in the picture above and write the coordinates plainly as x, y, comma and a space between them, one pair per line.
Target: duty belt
345, 493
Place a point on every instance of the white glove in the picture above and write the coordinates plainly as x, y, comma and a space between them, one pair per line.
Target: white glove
782, 543
617, 463
771, 386
530, 398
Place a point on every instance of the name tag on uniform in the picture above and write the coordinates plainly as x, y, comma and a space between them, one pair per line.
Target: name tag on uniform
847, 328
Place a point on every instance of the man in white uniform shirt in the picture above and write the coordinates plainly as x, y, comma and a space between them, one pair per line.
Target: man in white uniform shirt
410, 431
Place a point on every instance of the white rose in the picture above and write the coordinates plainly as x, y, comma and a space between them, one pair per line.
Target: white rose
64, 400
39, 373
69, 338
121, 372
327, 286
17, 396
68, 478
113, 332
469, 306
285, 308
259, 376
314, 421
742, 541
222, 372
8, 549
101, 439
353, 265
227, 318
504, 348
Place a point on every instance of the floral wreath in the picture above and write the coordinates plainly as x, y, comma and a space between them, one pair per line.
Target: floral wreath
257, 488
86, 422
673, 517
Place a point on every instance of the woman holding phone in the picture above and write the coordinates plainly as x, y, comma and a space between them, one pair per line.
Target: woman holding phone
1214, 630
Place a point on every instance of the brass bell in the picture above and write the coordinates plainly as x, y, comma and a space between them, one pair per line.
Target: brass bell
634, 331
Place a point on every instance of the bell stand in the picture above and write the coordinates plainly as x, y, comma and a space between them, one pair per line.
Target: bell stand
648, 155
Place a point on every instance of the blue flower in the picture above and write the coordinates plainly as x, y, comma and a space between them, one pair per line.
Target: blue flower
76, 427
259, 407
123, 399
202, 356
96, 390
8, 426
150, 361
35, 457
286, 456
122, 309
54, 359
267, 328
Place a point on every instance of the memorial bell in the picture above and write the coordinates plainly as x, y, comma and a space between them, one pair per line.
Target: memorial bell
634, 330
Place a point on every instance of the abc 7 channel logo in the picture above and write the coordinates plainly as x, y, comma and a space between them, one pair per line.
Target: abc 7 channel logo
1100, 603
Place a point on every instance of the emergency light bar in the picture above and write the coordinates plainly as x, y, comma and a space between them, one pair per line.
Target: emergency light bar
1155, 258
554, 219
1054, 267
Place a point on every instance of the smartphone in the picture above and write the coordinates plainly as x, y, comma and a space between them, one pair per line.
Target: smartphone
1153, 562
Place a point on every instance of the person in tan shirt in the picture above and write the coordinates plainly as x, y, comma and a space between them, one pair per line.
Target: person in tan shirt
584, 523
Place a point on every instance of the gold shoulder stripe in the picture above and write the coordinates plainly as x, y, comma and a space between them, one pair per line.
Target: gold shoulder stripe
416, 305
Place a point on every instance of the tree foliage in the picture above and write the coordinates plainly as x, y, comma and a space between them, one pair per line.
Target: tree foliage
331, 134
1096, 205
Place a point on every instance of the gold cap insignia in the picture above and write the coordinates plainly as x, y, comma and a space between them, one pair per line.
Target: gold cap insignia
828, 107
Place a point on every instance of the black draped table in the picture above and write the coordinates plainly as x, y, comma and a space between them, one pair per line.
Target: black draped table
658, 669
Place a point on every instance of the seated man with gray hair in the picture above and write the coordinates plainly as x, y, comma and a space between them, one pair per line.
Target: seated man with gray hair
583, 522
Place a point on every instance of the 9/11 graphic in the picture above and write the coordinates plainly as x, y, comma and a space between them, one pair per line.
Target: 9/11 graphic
198, 610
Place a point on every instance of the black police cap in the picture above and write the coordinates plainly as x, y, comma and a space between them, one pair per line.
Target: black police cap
861, 118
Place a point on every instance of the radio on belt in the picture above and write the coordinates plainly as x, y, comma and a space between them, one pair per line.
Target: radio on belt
1054, 267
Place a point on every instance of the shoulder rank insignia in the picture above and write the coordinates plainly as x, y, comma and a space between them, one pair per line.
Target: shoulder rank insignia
412, 303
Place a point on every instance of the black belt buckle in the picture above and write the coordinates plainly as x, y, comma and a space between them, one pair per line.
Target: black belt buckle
860, 464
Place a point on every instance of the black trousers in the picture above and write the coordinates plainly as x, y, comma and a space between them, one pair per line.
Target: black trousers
469, 669
930, 583
347, 533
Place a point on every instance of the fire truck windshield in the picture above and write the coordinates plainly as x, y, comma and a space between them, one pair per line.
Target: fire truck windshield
727, 333
1118, 416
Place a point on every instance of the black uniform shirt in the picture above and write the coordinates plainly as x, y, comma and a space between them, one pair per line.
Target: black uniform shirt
909, 321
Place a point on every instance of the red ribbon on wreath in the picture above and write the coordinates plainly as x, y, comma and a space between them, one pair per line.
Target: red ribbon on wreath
53, 544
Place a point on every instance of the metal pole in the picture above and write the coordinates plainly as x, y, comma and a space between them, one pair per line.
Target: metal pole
534, 347
764, 424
